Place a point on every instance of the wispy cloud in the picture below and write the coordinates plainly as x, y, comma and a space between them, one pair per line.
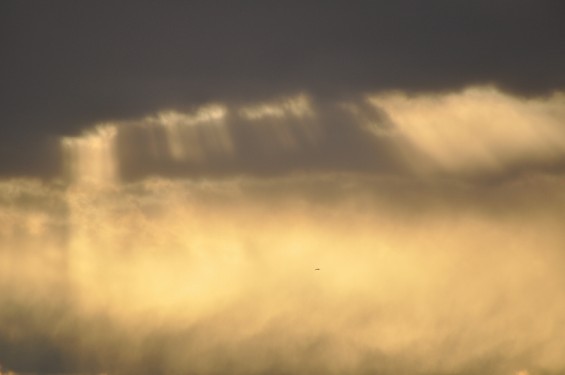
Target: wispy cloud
474, 133
210, 267
479, 130
207, 275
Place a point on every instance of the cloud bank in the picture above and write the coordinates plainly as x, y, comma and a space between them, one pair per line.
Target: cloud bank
478, 132
177, 276
187, 242
173, 174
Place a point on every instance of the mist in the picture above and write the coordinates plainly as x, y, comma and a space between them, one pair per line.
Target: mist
179, 254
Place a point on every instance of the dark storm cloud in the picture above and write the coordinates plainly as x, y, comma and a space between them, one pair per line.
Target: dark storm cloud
66, 65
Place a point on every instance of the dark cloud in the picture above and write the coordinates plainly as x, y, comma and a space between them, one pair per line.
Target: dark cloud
67, 65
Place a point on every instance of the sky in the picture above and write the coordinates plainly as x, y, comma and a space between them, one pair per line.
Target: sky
173, 174
67, 66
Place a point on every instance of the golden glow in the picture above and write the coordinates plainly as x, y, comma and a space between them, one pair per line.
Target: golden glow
283, 126
91, 158
212, 255
479, 129
204, 135
417, 275
194, 137
298, 106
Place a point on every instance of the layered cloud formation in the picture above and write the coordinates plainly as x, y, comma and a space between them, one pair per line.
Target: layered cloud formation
66, 67
477, 132
289, 188
188, 242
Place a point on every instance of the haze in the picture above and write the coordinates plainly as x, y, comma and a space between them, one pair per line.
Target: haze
282, 189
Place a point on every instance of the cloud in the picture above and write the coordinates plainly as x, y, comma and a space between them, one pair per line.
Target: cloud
187, 241
286, 135
196, 162
179, 275
181, 56
479, 130
476, 133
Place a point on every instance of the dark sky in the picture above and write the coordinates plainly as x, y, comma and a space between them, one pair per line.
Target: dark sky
66, 65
